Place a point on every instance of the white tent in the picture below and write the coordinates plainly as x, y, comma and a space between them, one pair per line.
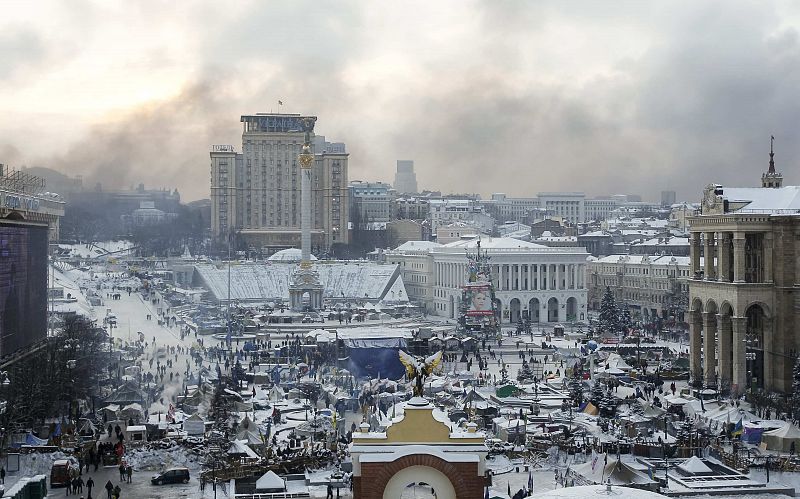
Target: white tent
240, 448
782, 438
676, 401
726, 413
194, 425
270, 482
276, 394
615, 360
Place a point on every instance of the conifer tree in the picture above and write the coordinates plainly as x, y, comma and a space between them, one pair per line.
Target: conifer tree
795, 400
609, 314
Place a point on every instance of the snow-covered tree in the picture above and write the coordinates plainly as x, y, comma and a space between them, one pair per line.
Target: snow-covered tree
625, 319
525, 372
608, 405
684, 432
597, 393
795, 400
504, 374
576, 392
636, 407
609, 315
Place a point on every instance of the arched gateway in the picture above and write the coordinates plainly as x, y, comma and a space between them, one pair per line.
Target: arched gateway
417, 448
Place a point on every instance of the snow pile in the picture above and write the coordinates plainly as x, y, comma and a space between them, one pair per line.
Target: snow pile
39, 463
153, 459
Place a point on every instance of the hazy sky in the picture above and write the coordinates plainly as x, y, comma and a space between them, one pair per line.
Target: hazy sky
492, 96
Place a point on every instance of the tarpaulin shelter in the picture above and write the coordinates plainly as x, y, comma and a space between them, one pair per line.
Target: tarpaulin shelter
376, 357
128, 393
782, 438
31, 439
194, 425
752, 433
591, 409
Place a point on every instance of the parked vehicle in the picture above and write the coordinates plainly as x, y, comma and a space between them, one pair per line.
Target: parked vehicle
59, 473
172, 475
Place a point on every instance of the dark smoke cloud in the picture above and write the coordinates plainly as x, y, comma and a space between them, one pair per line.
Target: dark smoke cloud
163, 144
698, 103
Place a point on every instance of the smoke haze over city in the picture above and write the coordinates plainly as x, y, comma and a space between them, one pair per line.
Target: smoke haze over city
494, 96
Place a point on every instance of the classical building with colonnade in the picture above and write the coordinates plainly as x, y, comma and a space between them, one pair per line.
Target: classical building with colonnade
744, 301
544, 284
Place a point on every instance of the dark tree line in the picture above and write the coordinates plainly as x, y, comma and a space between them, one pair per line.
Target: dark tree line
59, 379
101, 221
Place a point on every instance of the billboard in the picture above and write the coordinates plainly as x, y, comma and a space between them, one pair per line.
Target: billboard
23, 285
478, 298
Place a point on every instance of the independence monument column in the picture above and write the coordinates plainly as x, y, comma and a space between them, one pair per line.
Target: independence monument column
305, 283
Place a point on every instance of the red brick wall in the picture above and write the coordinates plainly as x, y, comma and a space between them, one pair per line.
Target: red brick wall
374, 476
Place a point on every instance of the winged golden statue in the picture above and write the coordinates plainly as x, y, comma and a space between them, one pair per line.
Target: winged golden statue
419, 368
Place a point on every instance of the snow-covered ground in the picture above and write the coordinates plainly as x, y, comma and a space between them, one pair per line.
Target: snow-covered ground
132, 312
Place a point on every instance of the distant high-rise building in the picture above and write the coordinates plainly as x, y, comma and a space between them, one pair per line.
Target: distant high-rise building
667, 198
568, 205
257, 192
370, 202
405, 180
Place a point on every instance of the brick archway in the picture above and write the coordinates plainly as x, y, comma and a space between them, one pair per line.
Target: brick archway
375, 476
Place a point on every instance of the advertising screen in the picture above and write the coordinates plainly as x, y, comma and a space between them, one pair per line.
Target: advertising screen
479, 300
23, 285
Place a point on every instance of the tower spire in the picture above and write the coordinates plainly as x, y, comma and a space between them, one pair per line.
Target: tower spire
772, 179
771, 170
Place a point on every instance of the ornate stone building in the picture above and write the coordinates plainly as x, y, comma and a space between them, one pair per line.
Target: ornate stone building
653, 286
531, 281
744, 299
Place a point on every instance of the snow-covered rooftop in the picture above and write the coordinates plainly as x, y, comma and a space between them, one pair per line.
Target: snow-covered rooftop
669, 241
763, 200
645, 259
493, 243
270, 281
417, 246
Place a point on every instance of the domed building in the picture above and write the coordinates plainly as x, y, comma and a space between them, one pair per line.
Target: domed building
290, 255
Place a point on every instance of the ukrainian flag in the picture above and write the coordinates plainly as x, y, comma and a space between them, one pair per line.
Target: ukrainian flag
738, 429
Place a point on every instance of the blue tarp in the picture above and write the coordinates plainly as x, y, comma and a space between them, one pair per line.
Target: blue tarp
752, 435
374, 362
375, 357
32, 440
